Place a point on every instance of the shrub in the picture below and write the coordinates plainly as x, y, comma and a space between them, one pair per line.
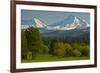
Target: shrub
69, 49
79, 47
76, 53
86, 51
29, 55
59, 49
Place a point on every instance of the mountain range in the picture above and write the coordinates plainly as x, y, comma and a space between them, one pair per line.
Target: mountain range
69, 23
72, 25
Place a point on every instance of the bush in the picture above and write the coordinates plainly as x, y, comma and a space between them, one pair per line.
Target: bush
45, 50
86, 51
76, 53
79, 47
59, 49
29, 55
42, 49
69, 49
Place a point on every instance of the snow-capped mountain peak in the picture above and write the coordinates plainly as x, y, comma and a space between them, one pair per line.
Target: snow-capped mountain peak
39, 23
73, 23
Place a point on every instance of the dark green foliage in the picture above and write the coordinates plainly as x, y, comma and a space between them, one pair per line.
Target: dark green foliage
24, 46
71, 40
33, 37
35, 43
52, 44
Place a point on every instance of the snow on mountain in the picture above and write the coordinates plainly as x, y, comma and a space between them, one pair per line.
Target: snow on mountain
70, 23
38, 23
82, 23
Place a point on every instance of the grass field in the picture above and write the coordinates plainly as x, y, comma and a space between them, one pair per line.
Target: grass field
54, 58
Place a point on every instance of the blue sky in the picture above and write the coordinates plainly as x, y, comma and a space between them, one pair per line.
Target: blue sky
49, 17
